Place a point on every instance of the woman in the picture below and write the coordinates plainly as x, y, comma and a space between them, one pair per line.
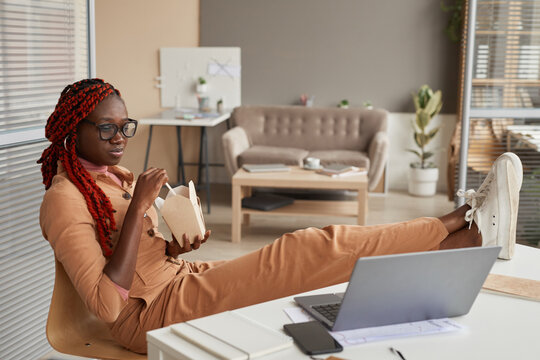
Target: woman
103, 229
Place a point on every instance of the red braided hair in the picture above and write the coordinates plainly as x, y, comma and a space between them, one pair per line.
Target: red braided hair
76, 102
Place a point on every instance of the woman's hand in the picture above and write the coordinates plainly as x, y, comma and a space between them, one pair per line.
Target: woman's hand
174, 248
147, 188
121, 265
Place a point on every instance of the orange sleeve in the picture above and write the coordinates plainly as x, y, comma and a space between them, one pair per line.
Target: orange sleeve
68, 226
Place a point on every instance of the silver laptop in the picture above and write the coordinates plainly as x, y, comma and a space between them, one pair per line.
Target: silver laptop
402, 288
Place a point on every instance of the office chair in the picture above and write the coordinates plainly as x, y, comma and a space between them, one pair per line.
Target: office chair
73, 330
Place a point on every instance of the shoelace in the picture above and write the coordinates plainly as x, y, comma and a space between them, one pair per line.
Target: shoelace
475, 199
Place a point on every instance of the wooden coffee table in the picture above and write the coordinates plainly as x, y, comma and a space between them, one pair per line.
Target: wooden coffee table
298, 178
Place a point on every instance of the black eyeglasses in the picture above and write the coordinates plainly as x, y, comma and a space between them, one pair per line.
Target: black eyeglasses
108, 131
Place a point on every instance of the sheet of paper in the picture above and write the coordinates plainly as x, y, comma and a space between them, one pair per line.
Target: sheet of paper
217, 68
361, 336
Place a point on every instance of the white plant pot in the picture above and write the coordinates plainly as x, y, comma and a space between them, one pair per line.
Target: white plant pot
202, 88
423, 182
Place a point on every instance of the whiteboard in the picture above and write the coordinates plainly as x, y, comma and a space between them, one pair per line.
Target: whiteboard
181, 67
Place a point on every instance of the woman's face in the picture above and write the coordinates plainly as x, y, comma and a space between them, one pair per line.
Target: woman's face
89, 144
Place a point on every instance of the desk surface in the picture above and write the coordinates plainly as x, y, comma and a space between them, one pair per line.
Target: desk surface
170, 118
497, 327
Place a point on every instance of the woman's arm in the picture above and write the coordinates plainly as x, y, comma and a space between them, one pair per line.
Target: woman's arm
121, 265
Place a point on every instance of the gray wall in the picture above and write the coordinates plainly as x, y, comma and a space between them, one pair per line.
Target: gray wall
381, 50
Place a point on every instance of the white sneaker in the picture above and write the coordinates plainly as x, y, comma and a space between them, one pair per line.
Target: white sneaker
494, 207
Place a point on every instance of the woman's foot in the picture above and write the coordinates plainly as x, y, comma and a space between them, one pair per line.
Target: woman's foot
494, 207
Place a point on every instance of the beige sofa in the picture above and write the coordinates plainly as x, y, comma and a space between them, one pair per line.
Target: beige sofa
289, 134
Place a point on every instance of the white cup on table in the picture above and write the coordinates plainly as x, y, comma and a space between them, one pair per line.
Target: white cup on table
312, 162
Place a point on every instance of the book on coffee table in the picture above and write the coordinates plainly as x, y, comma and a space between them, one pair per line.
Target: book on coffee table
338, 168
265, 167
335, 170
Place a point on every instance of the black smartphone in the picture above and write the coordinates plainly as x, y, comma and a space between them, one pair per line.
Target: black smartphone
312, 338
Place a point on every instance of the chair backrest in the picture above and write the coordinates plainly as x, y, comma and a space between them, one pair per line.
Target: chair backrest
72, 329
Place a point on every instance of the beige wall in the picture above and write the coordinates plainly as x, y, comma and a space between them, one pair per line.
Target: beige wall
379, 50
129, 34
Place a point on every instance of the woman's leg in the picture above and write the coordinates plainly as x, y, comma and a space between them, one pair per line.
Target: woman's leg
455, 220
297, 262
460, 235
462, 238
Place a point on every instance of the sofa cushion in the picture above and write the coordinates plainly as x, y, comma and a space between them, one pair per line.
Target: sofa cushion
259, 154
347, 157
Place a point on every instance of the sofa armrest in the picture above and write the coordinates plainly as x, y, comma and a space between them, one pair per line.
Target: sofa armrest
378, 155
235, 141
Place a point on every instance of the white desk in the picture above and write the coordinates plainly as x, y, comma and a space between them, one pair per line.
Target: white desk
169, 118
498, 327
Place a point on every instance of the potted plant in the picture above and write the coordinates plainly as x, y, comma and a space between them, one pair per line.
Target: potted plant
219, 106
344, 104
423, 174
202, 86
455, 22
368, 105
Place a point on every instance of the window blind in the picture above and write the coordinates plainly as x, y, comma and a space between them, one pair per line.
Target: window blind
43, 47
505, 100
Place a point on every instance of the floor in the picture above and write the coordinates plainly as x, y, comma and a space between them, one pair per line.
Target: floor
391, 207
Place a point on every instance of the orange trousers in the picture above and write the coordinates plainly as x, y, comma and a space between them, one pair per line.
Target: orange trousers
296, 262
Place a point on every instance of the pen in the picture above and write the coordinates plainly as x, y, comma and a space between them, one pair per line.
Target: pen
398, 353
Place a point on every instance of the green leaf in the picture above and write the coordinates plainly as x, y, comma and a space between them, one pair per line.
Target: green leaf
422, 99
432, 133
433, 103
438, 109
422, 119
415, 152
427, 155
416, 140
416, 101
420, 140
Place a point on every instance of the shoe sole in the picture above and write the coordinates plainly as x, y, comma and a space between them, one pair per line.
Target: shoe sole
506, 234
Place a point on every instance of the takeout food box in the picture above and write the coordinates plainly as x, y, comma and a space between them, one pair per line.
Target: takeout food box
181, 211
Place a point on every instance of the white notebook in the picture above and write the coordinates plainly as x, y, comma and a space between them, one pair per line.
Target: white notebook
232, 336
266, 167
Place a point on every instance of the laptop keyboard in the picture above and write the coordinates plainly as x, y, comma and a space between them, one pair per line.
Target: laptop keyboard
328, 311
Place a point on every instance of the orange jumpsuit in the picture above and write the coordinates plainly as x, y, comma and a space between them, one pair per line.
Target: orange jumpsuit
167, 291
